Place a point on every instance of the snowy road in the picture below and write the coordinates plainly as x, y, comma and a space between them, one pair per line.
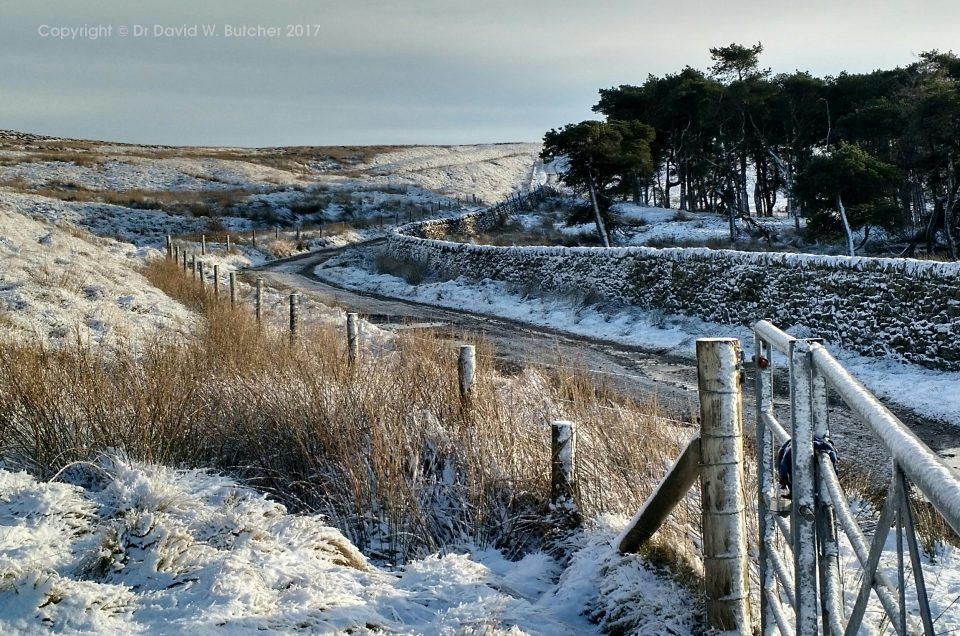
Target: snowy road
635, 371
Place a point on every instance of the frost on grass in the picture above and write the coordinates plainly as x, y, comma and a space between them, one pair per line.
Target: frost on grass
119, 547
59, 284
143, 545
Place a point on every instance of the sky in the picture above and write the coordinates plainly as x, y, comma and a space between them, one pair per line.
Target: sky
401, 72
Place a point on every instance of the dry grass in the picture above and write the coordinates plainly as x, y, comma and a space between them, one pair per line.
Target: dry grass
296, 159
186, 202
387, 449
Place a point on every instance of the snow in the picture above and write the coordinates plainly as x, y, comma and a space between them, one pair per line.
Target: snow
63, 285
150, 173
491, 171
118, 547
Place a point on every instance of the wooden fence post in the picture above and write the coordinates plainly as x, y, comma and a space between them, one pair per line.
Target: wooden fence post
169, 247
233, 290
184, 261
722, 490
466, 368
228, 243
176, 254
216, 283
353, 345
203, 283
203, 245
253, 236
276, 232
563, 481
259, 301
193, 265
294, 315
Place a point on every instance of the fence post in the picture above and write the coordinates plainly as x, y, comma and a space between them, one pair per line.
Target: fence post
722, 491
259, 301
294, 315
216, 283
253, 236
353, 345
466, 369
169, 247
184, 261
563, 480
203, 283
802, 510
766, 487
233, 290
828, 548
203, 245
193, 265
228, 243
176, 254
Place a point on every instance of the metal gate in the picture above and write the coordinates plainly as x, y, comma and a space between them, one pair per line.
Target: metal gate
800, 584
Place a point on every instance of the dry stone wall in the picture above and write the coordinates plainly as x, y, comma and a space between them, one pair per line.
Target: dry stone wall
901, 307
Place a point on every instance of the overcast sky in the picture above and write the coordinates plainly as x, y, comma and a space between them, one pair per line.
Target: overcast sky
403, 71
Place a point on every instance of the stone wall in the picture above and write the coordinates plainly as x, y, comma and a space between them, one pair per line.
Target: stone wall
902, 307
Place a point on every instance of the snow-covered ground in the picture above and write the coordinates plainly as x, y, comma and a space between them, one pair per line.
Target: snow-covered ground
60, 284
124, 548
464, 171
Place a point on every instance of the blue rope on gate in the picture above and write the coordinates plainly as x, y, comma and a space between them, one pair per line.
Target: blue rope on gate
785, 460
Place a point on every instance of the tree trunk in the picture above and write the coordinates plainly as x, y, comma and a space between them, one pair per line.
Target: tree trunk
682, 178
846, 226
948, 210
601, 229
744, 197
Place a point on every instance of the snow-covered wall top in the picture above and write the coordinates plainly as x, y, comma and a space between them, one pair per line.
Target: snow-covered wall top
902, 307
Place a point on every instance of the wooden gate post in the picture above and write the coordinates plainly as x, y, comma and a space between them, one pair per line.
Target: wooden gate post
722, 489
466, 368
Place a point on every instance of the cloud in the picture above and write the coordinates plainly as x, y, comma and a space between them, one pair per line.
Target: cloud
385, 72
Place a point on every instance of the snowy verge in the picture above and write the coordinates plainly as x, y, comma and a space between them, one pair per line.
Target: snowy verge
122, 548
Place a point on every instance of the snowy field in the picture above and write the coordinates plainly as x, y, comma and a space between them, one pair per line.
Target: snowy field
118, 547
